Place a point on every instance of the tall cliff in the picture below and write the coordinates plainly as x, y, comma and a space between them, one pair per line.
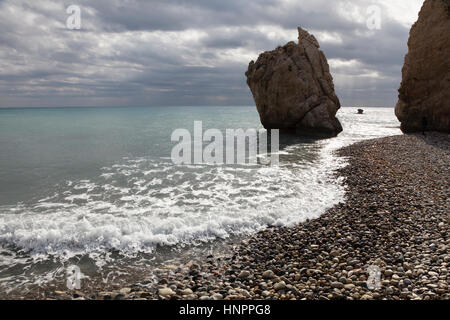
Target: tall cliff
424, 94
293, 89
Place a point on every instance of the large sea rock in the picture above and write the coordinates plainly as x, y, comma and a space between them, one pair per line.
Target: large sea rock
424, 95
293, 89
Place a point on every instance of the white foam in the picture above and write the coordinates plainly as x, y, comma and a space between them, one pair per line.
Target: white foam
237, 200
135, 205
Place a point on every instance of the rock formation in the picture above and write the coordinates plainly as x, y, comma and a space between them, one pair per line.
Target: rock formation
293, 89
424, 95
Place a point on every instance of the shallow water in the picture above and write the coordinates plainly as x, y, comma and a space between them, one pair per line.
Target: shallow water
96, 188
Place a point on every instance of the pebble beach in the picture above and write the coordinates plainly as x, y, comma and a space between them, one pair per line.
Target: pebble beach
395, 218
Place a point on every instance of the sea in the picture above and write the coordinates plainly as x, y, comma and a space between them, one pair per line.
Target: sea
96, 188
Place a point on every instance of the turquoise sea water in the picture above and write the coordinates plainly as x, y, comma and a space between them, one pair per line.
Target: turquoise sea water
96, 186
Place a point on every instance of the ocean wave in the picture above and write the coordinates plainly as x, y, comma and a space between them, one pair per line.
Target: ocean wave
139, 204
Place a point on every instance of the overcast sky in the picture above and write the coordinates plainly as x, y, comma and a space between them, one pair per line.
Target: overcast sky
179, 52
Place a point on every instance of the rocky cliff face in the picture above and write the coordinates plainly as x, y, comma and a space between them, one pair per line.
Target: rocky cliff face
424, 95
293, 89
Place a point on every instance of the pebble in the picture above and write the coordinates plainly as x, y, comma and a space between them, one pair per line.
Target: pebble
244, 274
187, 292
217, 296
394, 217
166, 292
337, 285
269, 274
280, 286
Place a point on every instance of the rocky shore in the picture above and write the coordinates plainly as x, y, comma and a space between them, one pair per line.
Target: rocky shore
395, 219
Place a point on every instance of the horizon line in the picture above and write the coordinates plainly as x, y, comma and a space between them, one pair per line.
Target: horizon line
168, 106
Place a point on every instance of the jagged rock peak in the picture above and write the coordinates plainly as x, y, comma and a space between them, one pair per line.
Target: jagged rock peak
294, 90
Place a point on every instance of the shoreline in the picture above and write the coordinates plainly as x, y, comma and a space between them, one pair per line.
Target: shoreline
395, 217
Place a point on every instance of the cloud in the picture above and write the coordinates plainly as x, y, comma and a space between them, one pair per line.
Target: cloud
179, 52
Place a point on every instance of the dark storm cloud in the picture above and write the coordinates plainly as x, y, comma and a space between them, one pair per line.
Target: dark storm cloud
173, 15
179, 52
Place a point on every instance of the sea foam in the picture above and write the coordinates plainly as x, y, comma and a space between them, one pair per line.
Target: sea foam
140, 203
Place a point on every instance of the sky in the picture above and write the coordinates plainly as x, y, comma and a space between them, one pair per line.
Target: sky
185, 53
